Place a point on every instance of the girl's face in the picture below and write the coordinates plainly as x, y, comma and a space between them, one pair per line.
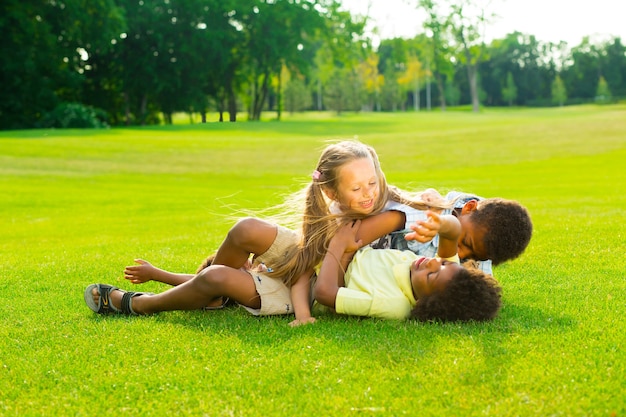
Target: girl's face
357, 188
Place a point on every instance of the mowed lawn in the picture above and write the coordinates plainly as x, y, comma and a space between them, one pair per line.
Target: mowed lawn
77, 206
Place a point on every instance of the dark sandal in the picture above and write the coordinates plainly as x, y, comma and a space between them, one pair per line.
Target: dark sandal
104, 305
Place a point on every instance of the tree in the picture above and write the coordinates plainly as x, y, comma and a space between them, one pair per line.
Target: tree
531, 63
392, 94
453, 94
277, 31
603, 94
437, 26
412, 79
467, 21
297, 95
44, 53
342, 92
613, 61
581, 76
372, 80
509, 92
559, 93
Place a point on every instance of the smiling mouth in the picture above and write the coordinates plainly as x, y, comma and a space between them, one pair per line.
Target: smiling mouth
419, 261
367, 204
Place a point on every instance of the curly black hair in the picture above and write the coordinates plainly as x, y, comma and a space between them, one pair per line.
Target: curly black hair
470, 295
206, 263
508, 228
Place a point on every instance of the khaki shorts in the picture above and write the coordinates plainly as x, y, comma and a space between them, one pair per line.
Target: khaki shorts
274, 293
286, 240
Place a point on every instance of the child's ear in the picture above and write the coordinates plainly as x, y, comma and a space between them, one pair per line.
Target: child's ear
469, 207
330, 194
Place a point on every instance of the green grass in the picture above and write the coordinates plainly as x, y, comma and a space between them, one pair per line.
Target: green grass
77, 206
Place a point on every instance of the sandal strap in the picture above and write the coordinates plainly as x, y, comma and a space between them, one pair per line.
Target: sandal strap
126, 307
105, 301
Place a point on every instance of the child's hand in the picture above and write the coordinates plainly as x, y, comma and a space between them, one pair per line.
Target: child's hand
425, 230
430, 196
345, 238
138, 274
302, 322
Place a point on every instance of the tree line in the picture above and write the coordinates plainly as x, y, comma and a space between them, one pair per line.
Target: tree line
84, 63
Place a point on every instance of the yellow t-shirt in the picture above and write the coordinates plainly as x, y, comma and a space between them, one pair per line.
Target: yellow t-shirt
378, 284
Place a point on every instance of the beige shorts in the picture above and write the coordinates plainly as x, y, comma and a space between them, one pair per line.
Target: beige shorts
274, 293
286, 240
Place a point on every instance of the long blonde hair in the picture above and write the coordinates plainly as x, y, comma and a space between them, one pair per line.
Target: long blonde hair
318, 223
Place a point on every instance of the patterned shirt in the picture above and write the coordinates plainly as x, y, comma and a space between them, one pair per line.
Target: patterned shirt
396, 239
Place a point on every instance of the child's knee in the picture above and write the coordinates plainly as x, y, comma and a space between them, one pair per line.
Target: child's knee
212, 276
248, 232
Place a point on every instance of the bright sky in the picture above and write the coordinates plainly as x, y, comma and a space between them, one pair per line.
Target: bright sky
548, 20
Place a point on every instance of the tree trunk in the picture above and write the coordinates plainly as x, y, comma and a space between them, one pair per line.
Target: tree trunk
259, 98
442, 94
232, 104
143, 111
472, 78
319, 95
279, 96
127, 109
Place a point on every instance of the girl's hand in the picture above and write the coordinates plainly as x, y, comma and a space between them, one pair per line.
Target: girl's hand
430, 196
425, 230
345, 238
302, 322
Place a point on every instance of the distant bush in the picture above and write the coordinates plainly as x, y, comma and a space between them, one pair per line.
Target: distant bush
74, 115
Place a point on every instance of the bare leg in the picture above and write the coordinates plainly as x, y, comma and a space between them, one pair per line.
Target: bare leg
248, 236
212, 283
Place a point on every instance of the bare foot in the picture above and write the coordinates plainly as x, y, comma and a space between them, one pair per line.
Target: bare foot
115, 298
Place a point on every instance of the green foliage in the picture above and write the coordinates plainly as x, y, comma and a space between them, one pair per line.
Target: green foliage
297, 96
144, 61
342, 92
559, 94
74, 115
453, 94
79, 205
43, 50
603, 94
509, 92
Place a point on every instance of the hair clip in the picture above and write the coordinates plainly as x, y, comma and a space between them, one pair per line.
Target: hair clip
316, 175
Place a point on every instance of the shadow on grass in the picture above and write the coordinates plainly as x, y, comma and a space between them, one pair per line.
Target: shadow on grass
358, 332
340, 127
43, 134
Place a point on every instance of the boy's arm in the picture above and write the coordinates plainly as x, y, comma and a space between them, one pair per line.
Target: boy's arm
446, 226
331, 275
300, 299
449, 233
145, 271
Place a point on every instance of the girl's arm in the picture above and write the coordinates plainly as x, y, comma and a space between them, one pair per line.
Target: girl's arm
300, 296
380, 225
336, 260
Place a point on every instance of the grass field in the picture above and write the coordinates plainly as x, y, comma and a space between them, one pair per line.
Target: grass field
77, 206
